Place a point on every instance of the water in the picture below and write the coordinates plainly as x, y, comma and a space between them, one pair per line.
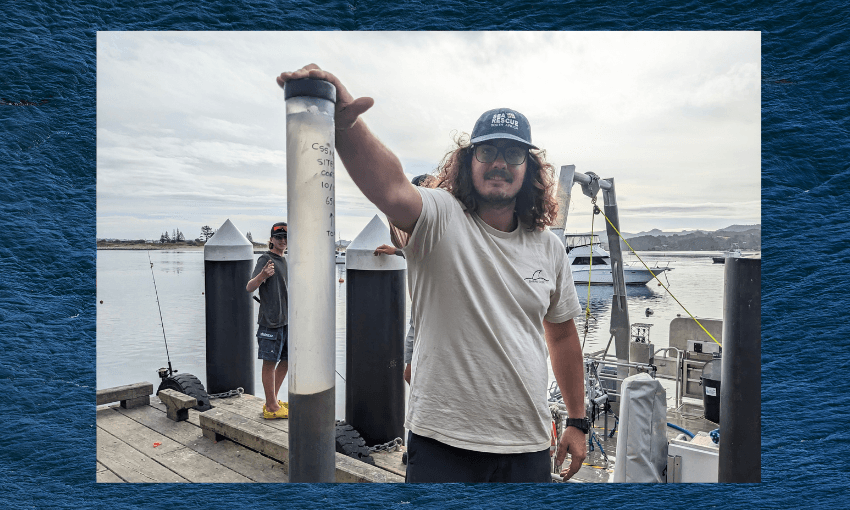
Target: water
310, 212
130, 346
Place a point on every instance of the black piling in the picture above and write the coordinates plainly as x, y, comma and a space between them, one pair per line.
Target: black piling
375, 330
740, 393
228, 262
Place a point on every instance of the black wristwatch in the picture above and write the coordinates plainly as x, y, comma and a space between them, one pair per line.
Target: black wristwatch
580, 423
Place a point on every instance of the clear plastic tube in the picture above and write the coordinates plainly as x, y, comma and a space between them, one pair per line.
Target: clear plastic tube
311, 261
312, 287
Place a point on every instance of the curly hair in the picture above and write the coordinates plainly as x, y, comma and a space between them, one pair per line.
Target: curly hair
536, 206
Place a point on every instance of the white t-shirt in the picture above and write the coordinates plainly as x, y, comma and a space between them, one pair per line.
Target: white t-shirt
480, 374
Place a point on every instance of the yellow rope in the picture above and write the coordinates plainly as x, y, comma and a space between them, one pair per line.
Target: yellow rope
659, 281
589, 274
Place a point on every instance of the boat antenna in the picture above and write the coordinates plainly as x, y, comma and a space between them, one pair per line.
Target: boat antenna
161, 323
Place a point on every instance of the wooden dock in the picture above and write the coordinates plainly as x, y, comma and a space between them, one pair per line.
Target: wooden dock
138, 443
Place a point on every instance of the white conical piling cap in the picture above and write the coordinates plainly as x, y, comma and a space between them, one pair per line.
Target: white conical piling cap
361, 252
228, 244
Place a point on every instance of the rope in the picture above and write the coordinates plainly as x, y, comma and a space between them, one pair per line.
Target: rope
659, 281
589, 274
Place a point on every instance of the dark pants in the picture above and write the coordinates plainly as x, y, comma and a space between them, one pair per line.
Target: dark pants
430, 461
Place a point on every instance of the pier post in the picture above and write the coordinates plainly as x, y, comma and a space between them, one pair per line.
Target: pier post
374, 330
310, 149
228, 261
619, 307
740, 393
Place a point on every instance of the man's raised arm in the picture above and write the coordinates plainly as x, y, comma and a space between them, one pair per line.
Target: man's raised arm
371, 165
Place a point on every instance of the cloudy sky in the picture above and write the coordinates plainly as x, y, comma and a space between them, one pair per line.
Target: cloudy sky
191, 126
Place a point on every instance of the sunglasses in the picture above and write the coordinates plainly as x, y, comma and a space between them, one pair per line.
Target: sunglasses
488, 153
279, 236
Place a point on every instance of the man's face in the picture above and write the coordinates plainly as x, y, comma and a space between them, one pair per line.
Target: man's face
279, 242
498, 181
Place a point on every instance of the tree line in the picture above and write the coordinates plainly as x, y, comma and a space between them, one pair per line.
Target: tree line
177, 236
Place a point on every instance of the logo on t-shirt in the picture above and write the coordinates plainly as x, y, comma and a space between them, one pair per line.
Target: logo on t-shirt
537, 277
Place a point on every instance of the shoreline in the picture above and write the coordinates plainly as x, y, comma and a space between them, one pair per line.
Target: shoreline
158, 247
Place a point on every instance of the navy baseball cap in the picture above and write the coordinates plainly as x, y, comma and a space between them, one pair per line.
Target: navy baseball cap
502, 123
419, 179
279, 228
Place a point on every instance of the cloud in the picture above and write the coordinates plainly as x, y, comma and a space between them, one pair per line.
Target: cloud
192, 123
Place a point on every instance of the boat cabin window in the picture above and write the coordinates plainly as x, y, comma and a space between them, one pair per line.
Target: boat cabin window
585, 261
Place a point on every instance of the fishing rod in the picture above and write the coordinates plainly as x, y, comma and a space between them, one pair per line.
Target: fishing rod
161, 323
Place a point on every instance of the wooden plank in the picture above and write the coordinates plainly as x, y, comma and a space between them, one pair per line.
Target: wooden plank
126, 392
184, 461
129, 464
200, 469
274, 442
349, 470
136, 402
256, 436
240, 459
107, 476
250, 407
139, 437
156, 403
176, 404
390, 461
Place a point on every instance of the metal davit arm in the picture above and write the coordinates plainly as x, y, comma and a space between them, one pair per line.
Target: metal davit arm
590, 186
619, 307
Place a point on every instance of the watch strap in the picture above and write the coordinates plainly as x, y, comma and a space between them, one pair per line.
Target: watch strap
580, 423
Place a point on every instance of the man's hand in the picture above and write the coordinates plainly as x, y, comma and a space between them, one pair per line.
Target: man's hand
348, 109
268, 270
385, 249
573, 442
374, 168
407, 373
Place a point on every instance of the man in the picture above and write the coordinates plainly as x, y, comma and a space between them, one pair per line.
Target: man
270, 277
385, 249
492, 290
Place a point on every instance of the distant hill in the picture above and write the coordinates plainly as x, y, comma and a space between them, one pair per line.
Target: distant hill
740, 228
747, 237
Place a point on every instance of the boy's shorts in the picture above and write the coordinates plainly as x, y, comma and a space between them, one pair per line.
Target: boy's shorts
272, 344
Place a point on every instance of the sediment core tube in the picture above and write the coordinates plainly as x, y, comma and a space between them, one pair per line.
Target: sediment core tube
312, 291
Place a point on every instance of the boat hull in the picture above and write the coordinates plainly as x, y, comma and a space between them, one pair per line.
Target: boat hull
603, 276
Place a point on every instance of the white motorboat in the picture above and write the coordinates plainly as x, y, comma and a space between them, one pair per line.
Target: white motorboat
734, 252
581, 247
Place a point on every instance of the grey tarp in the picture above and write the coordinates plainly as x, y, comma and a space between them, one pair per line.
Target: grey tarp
642, 440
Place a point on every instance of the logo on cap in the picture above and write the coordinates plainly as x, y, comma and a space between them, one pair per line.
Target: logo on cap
502, 123
505, 120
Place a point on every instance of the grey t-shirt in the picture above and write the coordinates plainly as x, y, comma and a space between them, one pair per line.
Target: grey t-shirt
273, 294
480, 373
